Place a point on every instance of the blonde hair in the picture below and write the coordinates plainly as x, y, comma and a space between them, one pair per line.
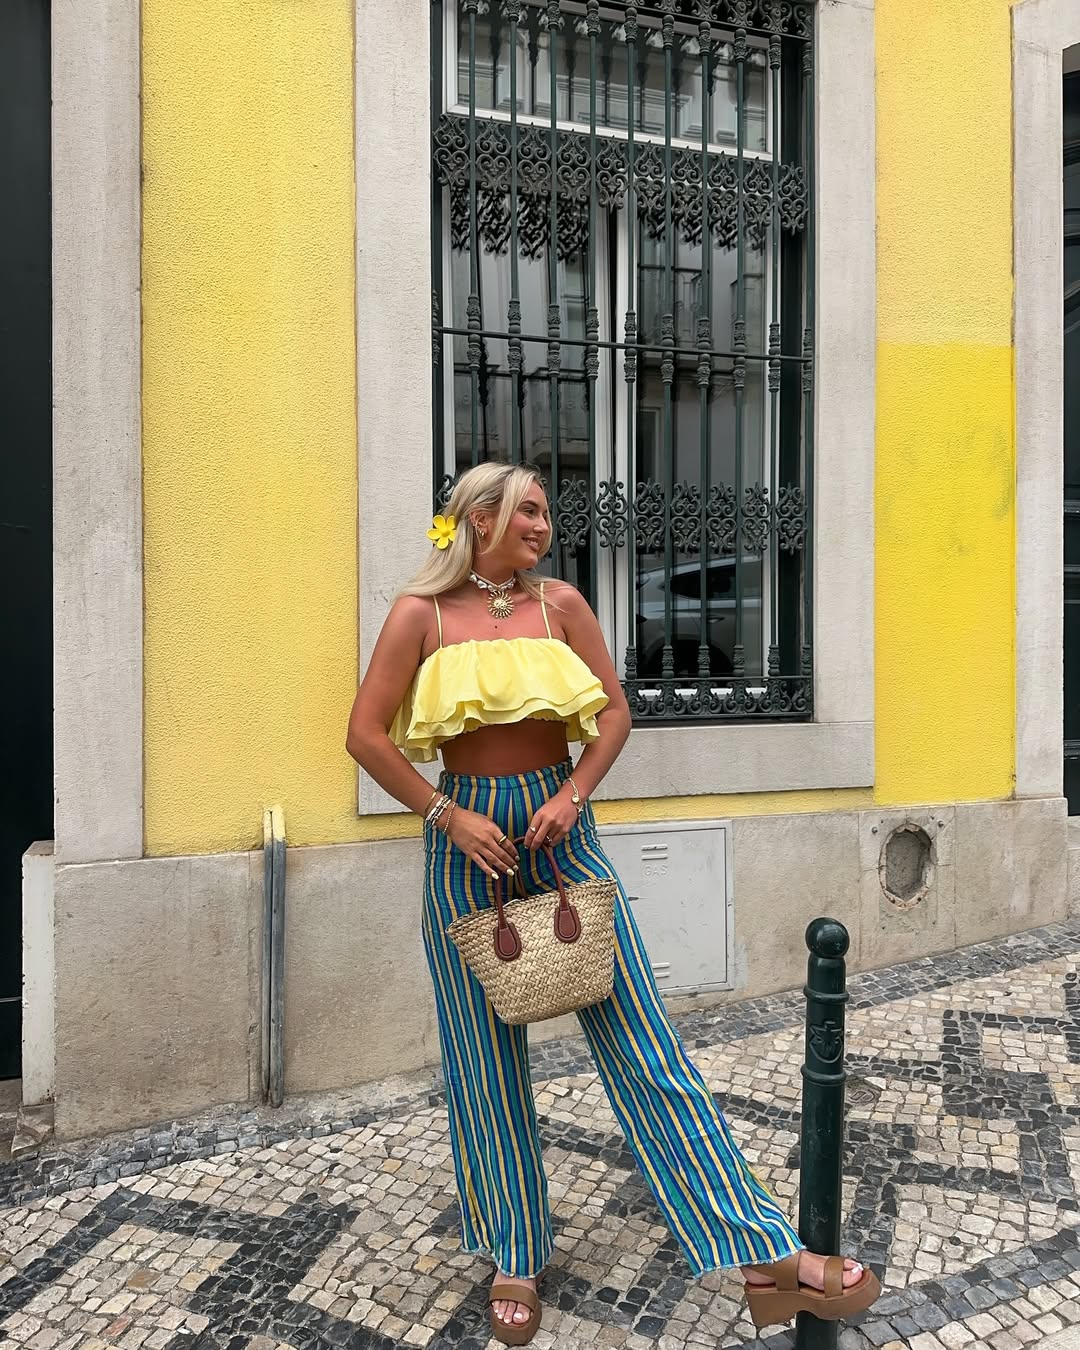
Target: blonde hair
493, 488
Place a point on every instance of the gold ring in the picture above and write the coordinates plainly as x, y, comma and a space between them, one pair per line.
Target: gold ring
502, 839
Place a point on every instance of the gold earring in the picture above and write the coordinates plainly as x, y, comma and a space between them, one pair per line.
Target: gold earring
481, 534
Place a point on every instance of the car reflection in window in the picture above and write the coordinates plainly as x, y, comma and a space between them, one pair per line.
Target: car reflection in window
685, 585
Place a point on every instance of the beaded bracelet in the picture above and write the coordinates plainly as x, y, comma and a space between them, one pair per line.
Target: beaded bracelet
446, 819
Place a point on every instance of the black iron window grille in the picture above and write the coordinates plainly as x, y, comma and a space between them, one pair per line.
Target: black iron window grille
622, 257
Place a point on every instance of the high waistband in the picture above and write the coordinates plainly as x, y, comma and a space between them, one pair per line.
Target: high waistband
551, 778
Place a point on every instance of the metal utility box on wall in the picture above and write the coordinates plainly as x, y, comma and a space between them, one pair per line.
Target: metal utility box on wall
678, 878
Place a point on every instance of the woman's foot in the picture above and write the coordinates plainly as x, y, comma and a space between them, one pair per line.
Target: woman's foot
811, 1271
505, 1310
829, 1287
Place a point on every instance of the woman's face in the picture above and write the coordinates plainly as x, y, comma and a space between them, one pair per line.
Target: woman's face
528, 534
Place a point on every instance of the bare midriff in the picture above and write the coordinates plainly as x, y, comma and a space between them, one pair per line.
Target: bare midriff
533, 743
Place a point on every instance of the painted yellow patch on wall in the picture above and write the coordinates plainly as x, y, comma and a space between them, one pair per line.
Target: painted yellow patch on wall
944, 624
945, 577
248, 419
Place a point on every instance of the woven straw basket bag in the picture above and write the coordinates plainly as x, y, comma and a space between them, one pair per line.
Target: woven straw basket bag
543, 955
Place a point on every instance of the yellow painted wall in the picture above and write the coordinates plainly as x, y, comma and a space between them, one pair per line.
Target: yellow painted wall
249, 426
945, 649
249, 422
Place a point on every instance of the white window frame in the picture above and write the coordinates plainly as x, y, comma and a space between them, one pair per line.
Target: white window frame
393, 127
97, 444
1043, 30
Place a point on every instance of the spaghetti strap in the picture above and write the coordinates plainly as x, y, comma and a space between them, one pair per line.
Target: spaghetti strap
438, 616
543, 606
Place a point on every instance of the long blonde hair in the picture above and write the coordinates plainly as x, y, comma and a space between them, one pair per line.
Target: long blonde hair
493, 488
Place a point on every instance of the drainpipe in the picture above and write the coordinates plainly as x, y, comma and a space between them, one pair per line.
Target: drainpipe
273, 957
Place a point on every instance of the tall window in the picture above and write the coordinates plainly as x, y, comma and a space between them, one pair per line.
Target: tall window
623, 297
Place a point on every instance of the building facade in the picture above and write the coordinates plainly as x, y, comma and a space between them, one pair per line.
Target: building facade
805, 428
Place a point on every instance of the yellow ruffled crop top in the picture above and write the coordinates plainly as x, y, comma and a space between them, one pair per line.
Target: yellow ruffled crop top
493, 682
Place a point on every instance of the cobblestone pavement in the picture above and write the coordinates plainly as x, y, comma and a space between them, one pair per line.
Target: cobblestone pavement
334, 1224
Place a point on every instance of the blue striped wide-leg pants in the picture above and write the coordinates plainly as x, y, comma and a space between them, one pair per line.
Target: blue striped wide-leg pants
717, 1209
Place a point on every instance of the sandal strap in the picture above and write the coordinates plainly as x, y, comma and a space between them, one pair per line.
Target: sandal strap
834, 1276
784, 1273
514, 1293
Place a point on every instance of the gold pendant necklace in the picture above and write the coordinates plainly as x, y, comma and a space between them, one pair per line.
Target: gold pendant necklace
500, 605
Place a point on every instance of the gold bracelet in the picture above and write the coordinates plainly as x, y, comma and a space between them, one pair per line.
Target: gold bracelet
575, 796
427, 805
446, 820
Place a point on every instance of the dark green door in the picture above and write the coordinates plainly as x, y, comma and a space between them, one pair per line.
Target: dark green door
25, 482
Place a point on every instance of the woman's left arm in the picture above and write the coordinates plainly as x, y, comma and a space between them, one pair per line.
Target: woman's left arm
555, 819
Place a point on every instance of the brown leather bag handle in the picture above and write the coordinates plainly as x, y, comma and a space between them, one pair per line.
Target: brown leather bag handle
507, 938
567, 922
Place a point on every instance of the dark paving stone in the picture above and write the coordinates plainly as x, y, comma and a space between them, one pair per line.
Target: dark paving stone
879, 1333
957, 1307
955, 1284
887, 1304
929, 1316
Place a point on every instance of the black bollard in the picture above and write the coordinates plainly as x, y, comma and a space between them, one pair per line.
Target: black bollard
822, 1141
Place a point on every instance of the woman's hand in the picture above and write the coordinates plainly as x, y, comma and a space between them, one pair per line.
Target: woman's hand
482, 840
553, 821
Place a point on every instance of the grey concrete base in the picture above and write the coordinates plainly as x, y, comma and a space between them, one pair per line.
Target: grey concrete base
39, 974
157, 961
357, 1003
1011, 862
997, 868
1074, 865
34, 1128
157, 988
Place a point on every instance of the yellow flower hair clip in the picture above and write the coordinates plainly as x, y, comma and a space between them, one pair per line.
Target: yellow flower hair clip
443, 531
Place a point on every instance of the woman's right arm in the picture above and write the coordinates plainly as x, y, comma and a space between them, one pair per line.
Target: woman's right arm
390, 671
393, 664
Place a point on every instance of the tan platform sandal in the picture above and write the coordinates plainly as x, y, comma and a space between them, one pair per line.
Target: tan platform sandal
514, 1333
781, 1300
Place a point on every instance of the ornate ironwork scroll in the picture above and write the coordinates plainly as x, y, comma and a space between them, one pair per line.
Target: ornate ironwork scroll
577, 167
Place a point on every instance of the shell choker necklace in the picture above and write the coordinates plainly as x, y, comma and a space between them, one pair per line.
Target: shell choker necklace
500, 605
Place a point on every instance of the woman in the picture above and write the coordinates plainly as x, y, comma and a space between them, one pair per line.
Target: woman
482, 660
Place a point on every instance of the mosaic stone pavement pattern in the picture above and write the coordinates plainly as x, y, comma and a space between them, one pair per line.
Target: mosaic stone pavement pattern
334, 1224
